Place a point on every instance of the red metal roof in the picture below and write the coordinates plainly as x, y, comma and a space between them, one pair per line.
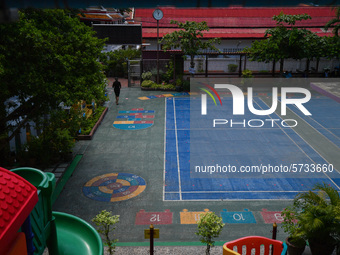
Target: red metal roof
238, 12
224, 33
233, 22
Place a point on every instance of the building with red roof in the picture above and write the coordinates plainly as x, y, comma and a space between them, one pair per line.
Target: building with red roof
233, 23
237, 28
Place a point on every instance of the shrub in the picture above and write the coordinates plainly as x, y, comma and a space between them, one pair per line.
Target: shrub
186, 85
178, 82
247, 77
48, 148
247, 73
232, 68
88, 124
168, 75
156, 86
146, 75
169, 87
147, 83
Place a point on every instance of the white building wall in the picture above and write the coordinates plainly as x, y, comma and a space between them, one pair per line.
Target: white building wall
225, 44
291, 65
220, 64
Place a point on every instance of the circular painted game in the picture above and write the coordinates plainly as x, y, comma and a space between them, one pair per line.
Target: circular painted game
114, 187
136, 119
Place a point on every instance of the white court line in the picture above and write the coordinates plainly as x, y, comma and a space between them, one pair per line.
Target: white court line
304, 141
272, 191
164, 170
178, 166
233, 200
317, 123
239, 191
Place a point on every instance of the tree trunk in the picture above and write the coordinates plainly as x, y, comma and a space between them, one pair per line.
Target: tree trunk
240, 67
207, 251
281, 65
307, 67
273, 69
317, 65
192, 66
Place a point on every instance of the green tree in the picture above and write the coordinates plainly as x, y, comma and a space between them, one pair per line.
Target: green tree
314, 48
333, 47
106, 222
334, 42
47, 57
281, 42
189, 38
334, 23
209, 227
115, 62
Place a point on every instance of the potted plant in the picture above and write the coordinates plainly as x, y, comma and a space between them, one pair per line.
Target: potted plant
317, 218
295, 241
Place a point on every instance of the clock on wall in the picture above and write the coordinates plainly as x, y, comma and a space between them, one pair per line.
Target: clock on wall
157, 14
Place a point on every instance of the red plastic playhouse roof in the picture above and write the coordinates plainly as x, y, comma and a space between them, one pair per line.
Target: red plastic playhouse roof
17, 199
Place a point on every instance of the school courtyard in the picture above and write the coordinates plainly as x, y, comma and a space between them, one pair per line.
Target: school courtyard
138, 166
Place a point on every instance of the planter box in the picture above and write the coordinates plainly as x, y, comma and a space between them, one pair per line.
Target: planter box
89, 136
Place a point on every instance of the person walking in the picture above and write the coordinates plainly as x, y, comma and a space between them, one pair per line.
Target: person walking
116, 87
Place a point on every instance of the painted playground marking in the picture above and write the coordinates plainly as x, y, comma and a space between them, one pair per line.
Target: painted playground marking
165, 95
244, 216
178, 94
238, 217
114, 187
156, 218
187, 217
136, 119
191, 217
271, 216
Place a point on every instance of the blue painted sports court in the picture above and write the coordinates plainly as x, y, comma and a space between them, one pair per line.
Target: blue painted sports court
192, 144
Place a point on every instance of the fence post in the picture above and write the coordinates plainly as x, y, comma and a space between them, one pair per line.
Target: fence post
274, 235
151, 239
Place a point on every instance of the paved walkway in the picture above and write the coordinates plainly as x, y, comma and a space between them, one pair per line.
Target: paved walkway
124, 82
140, 153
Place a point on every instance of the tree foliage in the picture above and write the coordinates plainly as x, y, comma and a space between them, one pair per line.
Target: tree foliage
314, 215
106, 222
334, 23
283, 41
189, 38
333, 47
47, 57
115, 62
209, 227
